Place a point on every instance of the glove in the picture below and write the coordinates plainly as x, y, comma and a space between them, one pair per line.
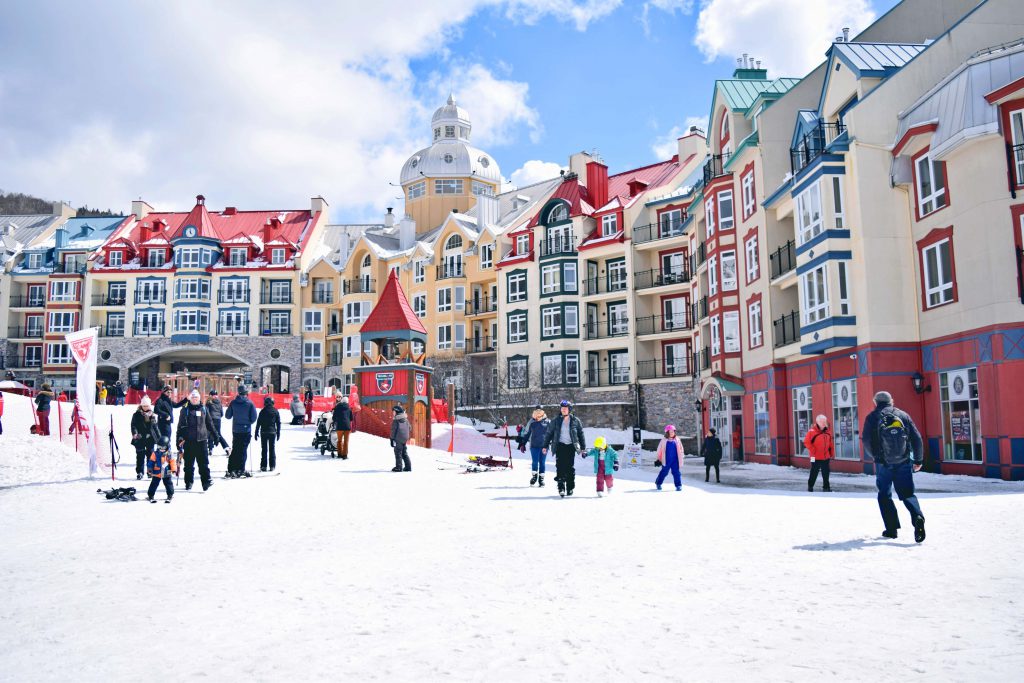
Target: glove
584, 453
522, 448
392, 443
615, 467
181, 444
658, 463
279, 436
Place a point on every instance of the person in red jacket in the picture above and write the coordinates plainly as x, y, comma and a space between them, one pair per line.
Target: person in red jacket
821, 448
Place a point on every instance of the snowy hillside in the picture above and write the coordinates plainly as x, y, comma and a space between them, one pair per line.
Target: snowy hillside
343, 570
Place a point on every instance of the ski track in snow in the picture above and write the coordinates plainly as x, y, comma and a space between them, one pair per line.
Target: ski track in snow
345, 570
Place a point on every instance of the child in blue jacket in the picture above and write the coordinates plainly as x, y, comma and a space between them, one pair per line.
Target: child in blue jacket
606, 461
533, 435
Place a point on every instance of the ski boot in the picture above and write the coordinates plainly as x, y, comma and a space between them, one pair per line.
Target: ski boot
151, 499
561, 487
533, 479
540, 481
919, 529
138, 475
890, 534
188, 487
396, 469
168, 498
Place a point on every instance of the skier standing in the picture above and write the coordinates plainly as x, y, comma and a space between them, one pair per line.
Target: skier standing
161, 466
670, 452
342, 418
43, 400
821, 450
216, 410
269, 423
400, 432
711, 449
164, 410
606, 461
242, 414
534, 434
194, 427
891, 438
565, 436
145, 434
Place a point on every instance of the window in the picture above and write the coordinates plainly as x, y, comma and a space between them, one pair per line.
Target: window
454, 242
1017, 139
728, 271
617, 276
549, 275
675, 357
716, 343
115, 258
755, 324
149, 292
961, 415
560, 369
522, 245
726, 220
808, 214
234, 323
837, 202
419, 305
723, 132
63, 290
569, 277
73, 262
672, 265
845, 427
731, 331
844, 290
35, 261
753, 260
517, 331
356, 311
930, 183
117, 293
322, 292
277, 256
557, 214
115, 324
444, 299
366, 261
618, 367
58, 354
937, 264
188, 258
417, 190
36, 295
33, 356
609, 225
749, 200
559, 321
709, 216
487, 256
312, 352
713, 275
62, 322
437, 133
193, 288
815, 292
618, 319
234, 291
460, 298
191, 321
674, 313
444, 337
312, 321
449, 131
482, 189
802, 417
670, 223
518, 375
762, 433
280, 322
156, 258
447, 186
516, 282
238, 257
34, 326
280, 292
149, 323
350, 345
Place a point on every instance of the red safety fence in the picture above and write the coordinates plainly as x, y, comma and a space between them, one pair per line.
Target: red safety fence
439, 410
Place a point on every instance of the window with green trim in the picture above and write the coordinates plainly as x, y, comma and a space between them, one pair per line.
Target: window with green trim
516, 286
559, 320
617, 277
518, 372
559, 277
559, 369
517, 327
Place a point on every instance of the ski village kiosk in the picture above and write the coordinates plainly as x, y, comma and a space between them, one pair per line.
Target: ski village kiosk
395, 374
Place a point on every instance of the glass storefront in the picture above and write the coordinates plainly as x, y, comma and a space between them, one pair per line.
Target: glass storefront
961, 415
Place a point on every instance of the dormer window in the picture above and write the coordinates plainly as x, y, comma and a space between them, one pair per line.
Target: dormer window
558, 213
239, 257
522, 244
609, 225
157, 258
449, 131
277, 257
35, 261
366, 261
115, 258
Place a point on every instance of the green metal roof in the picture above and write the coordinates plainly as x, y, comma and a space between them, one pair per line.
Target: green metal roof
740, 93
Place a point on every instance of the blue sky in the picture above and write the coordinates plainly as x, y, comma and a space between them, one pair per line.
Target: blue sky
261, 104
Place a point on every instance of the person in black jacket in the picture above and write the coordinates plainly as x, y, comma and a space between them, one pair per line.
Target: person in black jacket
242, 414
164, 410
342, 425
119, 393
145, 434
194, 425
711, 449
216, 410
269, 423
565, 437
42, 401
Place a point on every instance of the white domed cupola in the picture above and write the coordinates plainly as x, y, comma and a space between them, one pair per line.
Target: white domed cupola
450, 123
450, 154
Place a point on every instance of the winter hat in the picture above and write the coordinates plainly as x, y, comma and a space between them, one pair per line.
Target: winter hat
166, 389
883, 397
213, 392
398, 409
670, 428
243, 390
713, 431
145, 402
268, 401
600, 443
344, 399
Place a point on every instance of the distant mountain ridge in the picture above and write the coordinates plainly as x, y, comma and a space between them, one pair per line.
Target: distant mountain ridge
18, 203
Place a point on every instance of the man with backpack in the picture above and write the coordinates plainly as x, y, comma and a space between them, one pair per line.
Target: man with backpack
893, 441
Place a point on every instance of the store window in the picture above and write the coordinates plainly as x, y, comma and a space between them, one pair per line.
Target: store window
762, 431
961, 415
845, 428
803, 417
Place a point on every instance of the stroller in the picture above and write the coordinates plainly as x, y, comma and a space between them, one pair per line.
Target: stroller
324, 437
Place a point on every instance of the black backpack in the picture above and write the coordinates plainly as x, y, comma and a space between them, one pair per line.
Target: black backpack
892, 436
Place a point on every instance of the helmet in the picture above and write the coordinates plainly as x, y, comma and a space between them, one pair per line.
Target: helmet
565, 404
600, 442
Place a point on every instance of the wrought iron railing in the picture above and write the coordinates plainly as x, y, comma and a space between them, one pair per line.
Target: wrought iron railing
148, 329
271, 297
446, 271
143, 297
786, 330
34, 332
658, 231
659, 277
606, 376
617, 326
362, 285
28, 302
655, 369
551, 246
481, 344
233, 328
715, 166
108, 300
656, 324
812, 144
604, 285
233, 296
481, 305
782, 260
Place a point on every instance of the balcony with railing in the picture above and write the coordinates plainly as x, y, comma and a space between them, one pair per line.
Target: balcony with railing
702, 254
361, 285
154, 329
782, 260
69, 268
606, 376
660, 277
150, 297
1015, 161
270, 297
714, 167
112, 330
483, 343
664, 230
108, 300
321, 296
617, 326
553, 246
233, 328
813, 143
658, 324
705, 358
604, 285
786, 330
447, 271
334, 358
31, 332
28, 301
661, 368
233, 296
699, 309
481, 305
274, 328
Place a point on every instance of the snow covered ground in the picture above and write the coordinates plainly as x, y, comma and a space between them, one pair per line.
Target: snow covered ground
347, 571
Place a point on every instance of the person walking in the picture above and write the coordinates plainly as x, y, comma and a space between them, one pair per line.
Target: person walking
162, 466
298, 410
565, 437
893, 441
821, 448
606, 462
711, 449
216, 410
103, 395
309, 405
268, 430
42, 401
670, 452
119, 393
164, 410
400, 432
533, 436
193, 437
342, 418
145, 434
242, 414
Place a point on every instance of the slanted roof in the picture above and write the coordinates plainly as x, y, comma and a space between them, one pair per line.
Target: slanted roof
392, 317
740, 93
876, 60
200, 218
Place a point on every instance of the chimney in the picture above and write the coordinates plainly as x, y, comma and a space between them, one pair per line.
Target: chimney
389, 218
636, 187
597, 183
486, 211
318, 205
745, 69
141, 209
270, 230
61, 236
578, 163
406, 233
846, 34
230, 211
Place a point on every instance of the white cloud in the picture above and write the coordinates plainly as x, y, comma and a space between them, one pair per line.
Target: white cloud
666, 146
497, 107
669, 6
801, 30
534, 171
579, 13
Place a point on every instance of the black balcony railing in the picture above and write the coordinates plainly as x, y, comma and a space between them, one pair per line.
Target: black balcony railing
233, 328
334, 328
108, 300
1015, 161
786, 330
658, 231
551, 246
233, 296
702, 254
148, 329
334, 358
323, 297
266, 330
28, 302
446, 271
35, 332
660, 278
782, 260
362, 285
1020, 272
26, 362
269, 297
812, 144
715, 166
481, 305
653, 369
656, 324
606, 376
604, 285
484, 343
151, 297
69, 268
705, 358
112, 330
616, 326
702, 308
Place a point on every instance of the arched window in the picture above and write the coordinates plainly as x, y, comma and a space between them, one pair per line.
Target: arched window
366, 261
723, 132
454, 242
558, 213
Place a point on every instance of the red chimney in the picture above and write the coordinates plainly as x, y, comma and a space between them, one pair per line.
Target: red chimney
230, 211
271, 229
597, 183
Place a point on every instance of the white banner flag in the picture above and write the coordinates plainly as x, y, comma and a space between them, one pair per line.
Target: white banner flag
83, 347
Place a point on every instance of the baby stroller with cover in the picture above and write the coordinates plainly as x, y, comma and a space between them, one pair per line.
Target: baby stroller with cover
324, 437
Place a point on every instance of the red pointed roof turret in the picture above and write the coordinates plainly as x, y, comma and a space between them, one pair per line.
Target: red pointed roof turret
393, 317
199, 218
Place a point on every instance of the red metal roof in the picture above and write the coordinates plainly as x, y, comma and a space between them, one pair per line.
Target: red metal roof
393, 311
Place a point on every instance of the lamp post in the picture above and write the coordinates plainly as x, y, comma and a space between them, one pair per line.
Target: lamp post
698, 405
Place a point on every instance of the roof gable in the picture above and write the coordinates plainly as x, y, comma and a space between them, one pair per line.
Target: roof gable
393, 313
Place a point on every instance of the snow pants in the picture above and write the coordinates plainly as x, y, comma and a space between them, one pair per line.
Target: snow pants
604, 480
565, 466
900, 477
239, 451
402, 461
309, 412
707, 473
216, 437
44, 422
267, 447
154, 483
141, 455
343, 442
671, 464
538, 457
196, 451
823, 466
